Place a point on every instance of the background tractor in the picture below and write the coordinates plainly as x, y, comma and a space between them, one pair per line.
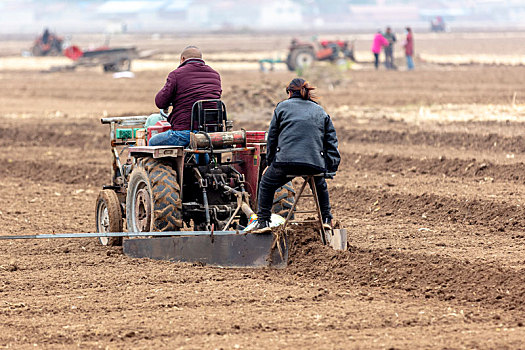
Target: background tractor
47, 44
303, 54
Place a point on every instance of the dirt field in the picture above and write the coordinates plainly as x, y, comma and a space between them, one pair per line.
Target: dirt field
429, 189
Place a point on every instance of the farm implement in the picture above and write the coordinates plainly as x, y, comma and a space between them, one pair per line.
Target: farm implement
111, 59
116, 59
193, 203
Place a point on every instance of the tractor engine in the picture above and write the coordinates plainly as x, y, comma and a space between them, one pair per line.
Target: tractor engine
209, 195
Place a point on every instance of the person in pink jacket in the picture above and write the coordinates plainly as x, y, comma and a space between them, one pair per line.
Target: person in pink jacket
377, 45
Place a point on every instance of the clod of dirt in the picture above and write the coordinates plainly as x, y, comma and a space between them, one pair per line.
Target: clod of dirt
11, 266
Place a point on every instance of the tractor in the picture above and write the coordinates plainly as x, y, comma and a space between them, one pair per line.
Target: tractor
192, 204
47, 44
209, 186
303, 54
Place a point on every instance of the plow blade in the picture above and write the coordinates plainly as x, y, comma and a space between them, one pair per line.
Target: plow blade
220, 248
228, 250
337, 239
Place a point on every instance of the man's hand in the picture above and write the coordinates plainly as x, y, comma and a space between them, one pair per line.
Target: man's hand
165, 112
329, 175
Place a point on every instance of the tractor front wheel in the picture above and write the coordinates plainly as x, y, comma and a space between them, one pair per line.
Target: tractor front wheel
108, 216
153, 201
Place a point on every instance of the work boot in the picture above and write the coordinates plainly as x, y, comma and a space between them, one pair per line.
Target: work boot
327, 224
262, 226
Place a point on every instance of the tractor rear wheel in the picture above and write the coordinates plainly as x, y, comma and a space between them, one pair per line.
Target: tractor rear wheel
108, 216
300, 58
283, 200
153, 201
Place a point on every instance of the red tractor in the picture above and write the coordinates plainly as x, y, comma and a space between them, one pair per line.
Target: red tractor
47, 44
191, 204
211, 185
303, 54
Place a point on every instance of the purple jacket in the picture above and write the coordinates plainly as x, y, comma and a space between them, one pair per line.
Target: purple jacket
192, 81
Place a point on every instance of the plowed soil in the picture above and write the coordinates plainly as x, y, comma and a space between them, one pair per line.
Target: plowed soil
429, 189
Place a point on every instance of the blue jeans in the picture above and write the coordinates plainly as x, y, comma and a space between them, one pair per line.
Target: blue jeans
171, 138
174, 138
410, 62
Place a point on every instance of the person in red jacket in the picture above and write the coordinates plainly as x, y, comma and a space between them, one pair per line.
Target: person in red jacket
192, 81
409, 48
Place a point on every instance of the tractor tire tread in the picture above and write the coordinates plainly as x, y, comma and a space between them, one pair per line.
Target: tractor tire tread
166, 196
283, 200
115, 216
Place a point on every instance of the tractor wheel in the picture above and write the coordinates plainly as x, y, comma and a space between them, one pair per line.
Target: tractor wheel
283, 200
108, 216
153, 201
36, 51
300, 58
123, 65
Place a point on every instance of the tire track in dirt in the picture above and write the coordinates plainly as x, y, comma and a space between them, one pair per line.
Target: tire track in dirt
66, 136
51, 171
454, 167
421, 275
428, 207
489, 142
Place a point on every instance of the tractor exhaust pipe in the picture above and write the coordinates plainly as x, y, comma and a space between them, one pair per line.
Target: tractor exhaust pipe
218, 140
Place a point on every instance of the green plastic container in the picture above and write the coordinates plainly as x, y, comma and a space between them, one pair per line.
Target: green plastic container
124, 134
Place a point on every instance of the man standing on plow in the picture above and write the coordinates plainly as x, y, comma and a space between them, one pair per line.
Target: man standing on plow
301, 141
192, 81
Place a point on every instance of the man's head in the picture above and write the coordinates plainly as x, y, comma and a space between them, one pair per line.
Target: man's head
388, 29
190, 52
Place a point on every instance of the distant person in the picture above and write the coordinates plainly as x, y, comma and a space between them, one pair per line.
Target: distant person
377, 44
45, 36
389, 50
192, 81
409, 48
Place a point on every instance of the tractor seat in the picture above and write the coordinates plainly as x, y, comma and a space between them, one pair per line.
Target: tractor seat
208, 116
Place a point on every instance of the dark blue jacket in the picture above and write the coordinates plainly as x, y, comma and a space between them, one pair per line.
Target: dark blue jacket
301, 133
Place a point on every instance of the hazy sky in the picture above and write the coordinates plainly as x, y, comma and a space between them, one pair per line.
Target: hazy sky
23, 16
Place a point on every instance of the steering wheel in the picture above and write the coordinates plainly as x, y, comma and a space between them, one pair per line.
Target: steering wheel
165, 113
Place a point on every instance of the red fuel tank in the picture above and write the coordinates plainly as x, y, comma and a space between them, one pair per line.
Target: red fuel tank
255, 136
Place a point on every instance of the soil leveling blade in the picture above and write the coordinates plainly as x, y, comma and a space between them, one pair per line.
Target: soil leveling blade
220, 248
230, 250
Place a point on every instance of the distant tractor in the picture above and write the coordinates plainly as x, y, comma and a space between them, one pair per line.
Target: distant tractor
47, 44
303, 54
437, 24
